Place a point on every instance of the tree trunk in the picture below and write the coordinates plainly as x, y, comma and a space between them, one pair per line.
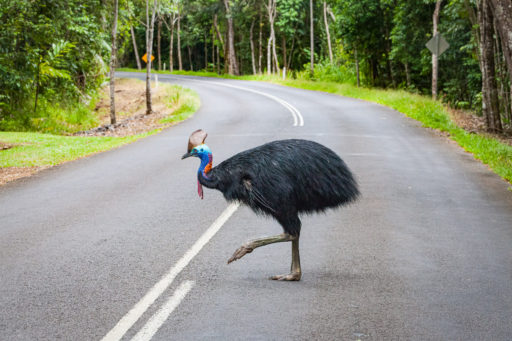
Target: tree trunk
274, 53
357, 66
312, 39
213, 51
435, 61
190, 58
178, 31
233, 64
149, 48
272, 62
171, 46
490, 104
218, 60
290, 56
158, 40
269, 52
327, 32
260, 41
205, 51
137, 59
269, 41
253, 62
407, 74
284, 51
502, 10
113, 66
223, 46
218, 32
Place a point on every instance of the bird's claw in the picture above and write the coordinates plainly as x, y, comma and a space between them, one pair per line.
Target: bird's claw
240, 252
294, 276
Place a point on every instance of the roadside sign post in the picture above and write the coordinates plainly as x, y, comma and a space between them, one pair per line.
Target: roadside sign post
437, 45
145, 58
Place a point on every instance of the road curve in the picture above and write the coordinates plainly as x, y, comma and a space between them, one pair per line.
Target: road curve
425, 254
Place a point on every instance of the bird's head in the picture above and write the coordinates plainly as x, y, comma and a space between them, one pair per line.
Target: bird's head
202, 151
196, 146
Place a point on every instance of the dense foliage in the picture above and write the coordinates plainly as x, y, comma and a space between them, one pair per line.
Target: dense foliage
50, 52
56, 50
384, 38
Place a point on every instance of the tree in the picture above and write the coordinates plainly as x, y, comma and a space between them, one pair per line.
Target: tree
312, 39
178, 32
290, 23
490, 104
435, 60
53, 52
150, 26
271, 43
113, 64
327, 10
232, 64
135, 50
502, 10
253, 62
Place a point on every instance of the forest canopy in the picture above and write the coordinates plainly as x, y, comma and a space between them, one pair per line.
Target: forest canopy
58, 51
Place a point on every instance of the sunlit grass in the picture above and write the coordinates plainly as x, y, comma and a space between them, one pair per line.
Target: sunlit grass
186, 102
37, 149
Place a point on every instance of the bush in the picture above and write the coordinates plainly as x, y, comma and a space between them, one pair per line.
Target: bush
327, 72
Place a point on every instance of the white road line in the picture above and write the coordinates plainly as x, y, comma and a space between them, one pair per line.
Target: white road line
298, 120
156, 321
163, 284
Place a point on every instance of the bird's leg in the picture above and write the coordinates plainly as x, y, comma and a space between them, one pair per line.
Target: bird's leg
251, 245
295, 271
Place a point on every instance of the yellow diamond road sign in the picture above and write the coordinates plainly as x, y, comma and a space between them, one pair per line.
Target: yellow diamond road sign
145, 57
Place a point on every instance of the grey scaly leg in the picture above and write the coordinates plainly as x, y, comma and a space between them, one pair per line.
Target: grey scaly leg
295, 271
248, 247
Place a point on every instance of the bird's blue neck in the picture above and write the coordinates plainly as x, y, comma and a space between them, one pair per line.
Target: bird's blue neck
206, 164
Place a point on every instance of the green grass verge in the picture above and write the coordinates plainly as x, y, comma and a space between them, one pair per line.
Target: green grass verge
39, 149
432, 114
185, 100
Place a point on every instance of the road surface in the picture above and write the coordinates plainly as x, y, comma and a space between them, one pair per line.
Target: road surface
119, 246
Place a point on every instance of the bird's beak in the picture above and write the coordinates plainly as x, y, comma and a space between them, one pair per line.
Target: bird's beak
186, 155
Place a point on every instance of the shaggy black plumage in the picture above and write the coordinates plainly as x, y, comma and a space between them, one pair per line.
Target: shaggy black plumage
281, 179
285, 178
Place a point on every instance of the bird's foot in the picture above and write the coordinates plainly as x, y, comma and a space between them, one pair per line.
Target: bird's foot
294, 276
240, 252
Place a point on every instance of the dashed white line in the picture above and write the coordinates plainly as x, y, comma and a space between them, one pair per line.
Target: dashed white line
158, 319
298, 120
128, 320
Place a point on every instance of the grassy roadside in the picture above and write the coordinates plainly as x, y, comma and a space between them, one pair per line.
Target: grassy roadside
432, 114
34, 149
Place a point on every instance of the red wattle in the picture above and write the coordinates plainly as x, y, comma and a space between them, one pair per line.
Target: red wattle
199, 189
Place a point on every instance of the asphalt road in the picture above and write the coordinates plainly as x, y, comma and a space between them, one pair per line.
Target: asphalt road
425, 254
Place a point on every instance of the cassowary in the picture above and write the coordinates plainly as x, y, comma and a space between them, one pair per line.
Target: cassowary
281, 179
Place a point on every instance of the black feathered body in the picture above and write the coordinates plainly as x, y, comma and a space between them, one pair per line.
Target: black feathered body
285, 178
